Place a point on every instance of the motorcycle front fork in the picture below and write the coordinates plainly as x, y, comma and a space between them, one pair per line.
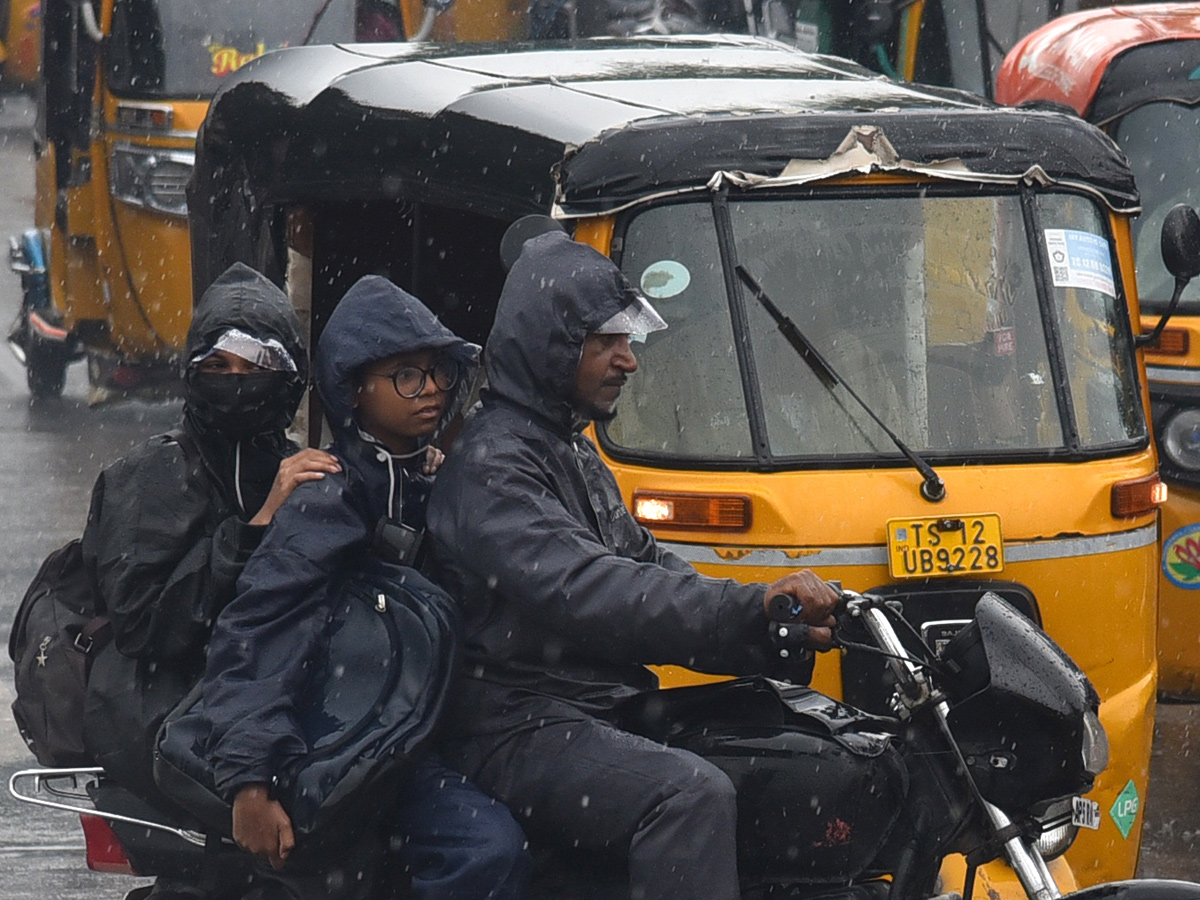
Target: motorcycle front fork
1024, 859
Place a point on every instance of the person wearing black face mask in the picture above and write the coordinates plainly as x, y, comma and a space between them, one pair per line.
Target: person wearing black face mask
172, 524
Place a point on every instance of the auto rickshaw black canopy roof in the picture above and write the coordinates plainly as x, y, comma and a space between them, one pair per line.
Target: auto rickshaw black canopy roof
507, 130
1164, 70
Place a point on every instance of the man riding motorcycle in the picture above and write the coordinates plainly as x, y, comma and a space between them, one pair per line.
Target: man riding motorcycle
567, 598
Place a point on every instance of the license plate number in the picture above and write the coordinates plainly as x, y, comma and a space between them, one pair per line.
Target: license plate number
936, 546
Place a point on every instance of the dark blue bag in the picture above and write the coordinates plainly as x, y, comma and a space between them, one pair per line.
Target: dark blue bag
376, 696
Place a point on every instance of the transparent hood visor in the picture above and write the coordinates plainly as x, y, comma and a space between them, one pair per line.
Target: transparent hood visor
638, 318
269, 354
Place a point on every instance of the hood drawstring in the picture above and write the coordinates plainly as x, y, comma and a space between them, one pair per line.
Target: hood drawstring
389, 459
386, 458
237, 477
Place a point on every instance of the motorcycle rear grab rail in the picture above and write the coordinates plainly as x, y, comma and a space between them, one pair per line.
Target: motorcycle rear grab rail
43, 780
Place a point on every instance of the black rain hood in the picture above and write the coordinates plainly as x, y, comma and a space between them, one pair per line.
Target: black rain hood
219, 409
375, 320
244, 299
556, 293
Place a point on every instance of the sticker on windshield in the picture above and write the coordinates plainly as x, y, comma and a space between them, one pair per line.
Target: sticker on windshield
1080, 259
665, 278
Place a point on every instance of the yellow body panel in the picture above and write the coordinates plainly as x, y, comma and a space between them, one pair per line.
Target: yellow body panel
1189, 361
471, 20
1096, 601
123, 267
1000, 881
1179, 606
22, 44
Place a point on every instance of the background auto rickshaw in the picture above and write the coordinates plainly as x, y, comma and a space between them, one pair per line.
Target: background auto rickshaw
1133, 71
951, 43
127, 82
961, 43
20, 44
954, 43
966, 270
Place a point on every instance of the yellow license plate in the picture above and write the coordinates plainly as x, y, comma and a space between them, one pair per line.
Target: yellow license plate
948, 545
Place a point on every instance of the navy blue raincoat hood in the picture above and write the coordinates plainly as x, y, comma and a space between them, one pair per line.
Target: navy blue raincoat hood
374, 320
556, 293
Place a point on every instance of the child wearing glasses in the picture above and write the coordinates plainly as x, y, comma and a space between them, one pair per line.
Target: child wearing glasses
390, 377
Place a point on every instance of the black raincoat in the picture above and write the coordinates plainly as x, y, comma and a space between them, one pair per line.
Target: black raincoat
258, 656
167, 537
566, 597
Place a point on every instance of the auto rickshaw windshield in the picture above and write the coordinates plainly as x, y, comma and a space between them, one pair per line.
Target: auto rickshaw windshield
1160, 140
930, 306
178, 48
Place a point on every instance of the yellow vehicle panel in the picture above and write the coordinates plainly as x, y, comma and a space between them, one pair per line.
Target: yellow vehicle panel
1179, 597
1175, 363
157, 270
1067, 553
23, 44
1180, 331
127, 267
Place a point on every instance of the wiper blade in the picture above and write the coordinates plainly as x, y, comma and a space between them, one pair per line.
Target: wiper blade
933, 488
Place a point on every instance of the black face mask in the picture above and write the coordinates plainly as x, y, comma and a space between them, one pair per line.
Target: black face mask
241, 406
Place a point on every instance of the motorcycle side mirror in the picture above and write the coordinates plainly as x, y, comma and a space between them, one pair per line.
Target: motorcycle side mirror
519, 232
875, 21
1180, 244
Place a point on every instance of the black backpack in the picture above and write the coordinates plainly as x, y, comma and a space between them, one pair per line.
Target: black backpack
56, 634
377, 692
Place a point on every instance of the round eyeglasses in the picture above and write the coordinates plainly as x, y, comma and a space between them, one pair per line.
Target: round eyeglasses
409, 381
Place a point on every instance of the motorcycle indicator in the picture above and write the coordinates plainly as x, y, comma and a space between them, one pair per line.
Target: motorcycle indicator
940, 545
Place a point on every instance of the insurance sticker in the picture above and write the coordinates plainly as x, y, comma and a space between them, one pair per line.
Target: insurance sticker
1080, 259
1085, 813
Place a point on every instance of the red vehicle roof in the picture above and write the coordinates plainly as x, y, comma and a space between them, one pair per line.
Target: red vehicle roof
1065, 60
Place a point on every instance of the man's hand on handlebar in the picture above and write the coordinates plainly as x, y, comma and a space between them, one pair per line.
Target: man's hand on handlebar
804, 598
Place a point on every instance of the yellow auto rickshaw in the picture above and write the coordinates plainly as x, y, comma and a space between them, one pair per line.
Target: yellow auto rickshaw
105, 270
20, 45
962, 43
1131, 71
964, 411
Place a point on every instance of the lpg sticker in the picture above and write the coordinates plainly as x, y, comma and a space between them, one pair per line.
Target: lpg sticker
1181, 557
1080, 259
665, 278
1124, 811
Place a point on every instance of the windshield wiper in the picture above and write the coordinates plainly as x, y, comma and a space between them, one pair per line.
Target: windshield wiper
933, 488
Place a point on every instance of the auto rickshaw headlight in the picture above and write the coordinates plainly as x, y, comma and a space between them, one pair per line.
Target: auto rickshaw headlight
1181, 439
152, 179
